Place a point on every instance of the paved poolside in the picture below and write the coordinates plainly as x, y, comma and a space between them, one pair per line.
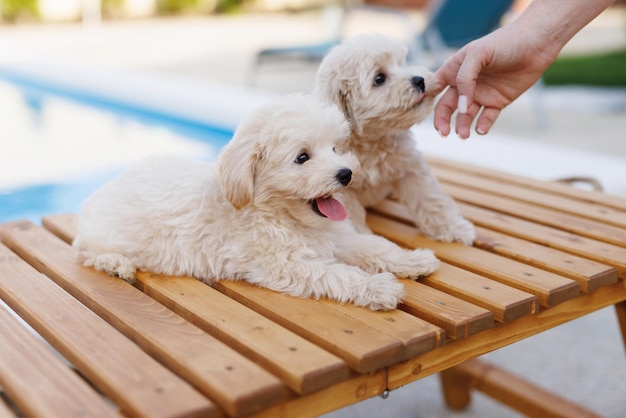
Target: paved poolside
221, 49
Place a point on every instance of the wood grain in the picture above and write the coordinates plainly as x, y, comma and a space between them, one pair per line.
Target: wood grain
551, 289
59, 391
234, 382
97, 350
357, 343
303, 366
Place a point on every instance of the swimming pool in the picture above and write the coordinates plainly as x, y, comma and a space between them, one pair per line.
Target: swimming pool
58, 144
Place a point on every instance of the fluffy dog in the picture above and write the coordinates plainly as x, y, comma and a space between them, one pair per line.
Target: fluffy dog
367, 77
270, 213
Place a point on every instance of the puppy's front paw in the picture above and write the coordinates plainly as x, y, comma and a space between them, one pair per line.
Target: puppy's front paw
382, 292
461, 230
115, 265
419, 263
464, 232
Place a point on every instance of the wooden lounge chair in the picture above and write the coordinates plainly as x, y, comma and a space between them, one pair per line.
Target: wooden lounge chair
545, 254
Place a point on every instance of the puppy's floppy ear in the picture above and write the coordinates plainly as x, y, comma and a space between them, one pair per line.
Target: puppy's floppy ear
332, 87
237, 166
344, 101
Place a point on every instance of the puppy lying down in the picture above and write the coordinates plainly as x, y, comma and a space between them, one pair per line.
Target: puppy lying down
269, 212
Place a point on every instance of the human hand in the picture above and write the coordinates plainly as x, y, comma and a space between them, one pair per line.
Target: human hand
488, 74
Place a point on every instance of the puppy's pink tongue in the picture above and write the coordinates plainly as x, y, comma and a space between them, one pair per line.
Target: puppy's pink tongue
332, 208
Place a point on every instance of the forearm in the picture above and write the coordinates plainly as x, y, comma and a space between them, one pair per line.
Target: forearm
555, 22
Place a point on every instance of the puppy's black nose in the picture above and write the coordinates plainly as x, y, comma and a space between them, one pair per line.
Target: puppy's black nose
418, 83
344, 176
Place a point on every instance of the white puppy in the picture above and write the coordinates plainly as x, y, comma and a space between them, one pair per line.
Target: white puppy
382, 97
270, 213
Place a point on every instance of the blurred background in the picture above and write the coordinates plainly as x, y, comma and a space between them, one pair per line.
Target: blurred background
89, 86
120, 52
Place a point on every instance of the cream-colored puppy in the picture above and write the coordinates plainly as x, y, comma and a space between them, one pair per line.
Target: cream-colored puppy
382, 97
270, 213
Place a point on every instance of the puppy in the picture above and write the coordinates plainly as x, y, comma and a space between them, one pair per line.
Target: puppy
270, 213
367, 77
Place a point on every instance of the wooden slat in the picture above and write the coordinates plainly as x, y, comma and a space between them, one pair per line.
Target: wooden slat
102, 354
58, 392
235, 383
611, 255
417, 335
550, 288
457, 317
300, 364
401, 374
504, 188
63, 225
563, 221
506, 303
357, 343
590, 196
358, 388
303, 366
589, 274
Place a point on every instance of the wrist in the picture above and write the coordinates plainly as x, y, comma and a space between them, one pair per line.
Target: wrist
550, 24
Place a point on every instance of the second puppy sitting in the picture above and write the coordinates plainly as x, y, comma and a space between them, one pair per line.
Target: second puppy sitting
382, 97
271, 213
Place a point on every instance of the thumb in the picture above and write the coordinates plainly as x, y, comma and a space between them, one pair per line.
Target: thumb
448, 71
440, 85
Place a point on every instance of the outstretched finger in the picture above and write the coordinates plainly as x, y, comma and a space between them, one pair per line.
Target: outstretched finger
448, 71
466, 78
486, 119
444, 109
464, 121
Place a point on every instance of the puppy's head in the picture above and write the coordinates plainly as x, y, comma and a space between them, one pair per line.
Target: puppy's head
284, 155
367, 77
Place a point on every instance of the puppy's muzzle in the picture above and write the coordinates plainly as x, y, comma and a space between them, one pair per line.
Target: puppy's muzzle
344, 176
418, 83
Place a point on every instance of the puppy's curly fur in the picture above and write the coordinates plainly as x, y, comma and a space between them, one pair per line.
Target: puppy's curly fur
270, 213
382, 97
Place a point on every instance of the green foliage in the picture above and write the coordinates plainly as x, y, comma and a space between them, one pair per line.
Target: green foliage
230, 6
185, 6
606, 69
15, 9
112, 8
176, 6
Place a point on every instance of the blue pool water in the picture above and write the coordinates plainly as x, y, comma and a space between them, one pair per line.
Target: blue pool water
57, 146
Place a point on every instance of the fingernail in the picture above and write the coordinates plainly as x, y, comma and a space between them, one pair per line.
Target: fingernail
462, 105
441, 134
480, 131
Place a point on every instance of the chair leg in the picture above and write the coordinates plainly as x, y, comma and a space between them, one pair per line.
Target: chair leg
620, 310
517, 393
457, 384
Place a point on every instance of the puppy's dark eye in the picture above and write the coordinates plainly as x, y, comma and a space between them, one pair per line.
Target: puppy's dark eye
302, 158
380, 79
334, 150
